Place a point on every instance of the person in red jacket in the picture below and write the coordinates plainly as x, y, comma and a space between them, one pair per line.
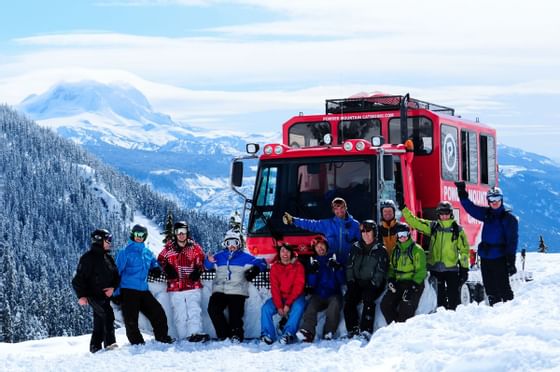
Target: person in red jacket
182, 259
287, 281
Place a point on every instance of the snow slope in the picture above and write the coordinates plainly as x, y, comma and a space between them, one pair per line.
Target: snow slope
521, 335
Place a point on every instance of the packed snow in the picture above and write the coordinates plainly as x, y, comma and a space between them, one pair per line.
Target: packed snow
521, 335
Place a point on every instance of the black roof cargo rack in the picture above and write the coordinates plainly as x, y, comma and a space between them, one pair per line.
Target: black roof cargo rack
380, 103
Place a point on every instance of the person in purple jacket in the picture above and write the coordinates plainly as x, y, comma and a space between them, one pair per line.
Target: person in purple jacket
498, 244
341, 231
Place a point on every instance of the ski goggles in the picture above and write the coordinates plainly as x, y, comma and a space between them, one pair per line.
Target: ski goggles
232, 242
402, 234
493, 199
182, 230
108, 238
139, 234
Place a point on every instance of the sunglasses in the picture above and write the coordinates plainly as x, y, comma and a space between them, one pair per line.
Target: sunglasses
232, 242
493, 199
402, 234
182, 230
138, 234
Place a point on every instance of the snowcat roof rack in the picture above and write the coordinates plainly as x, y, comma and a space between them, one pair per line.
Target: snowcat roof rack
380, 103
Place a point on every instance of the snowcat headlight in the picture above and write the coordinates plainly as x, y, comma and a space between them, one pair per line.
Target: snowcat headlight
377, 141
278, 149
348, 146
252, 148
360, 146
268, 150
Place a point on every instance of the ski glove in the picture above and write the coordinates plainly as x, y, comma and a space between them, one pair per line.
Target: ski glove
155, 272
334, 264
287, 219
252, 273
313, 266
195, 274
510, 264
170, 272
401, 204
463, 275
462, 190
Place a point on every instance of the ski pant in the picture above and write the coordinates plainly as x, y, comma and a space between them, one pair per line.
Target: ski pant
496, 280
448, 288
316, 303
294, 316
103, 324
401, 304
360, 291
135, 302
187, 312
236, 306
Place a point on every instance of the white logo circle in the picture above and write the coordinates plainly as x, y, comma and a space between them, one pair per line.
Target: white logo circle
449, 153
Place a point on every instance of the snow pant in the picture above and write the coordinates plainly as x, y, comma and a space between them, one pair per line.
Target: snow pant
401, 305
187, 312
294, 316
360, 291
316, 303
448, 288
496, 280
135, 302
236, 306
103, 324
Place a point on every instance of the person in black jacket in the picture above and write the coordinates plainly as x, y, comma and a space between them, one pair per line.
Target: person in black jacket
95, 280
366, 273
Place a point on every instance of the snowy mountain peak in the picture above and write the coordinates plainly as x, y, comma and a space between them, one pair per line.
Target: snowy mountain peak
69, 99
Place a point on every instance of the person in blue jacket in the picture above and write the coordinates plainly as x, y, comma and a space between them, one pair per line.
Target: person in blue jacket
230, 288
341, 231
498, 244
325, 277
134, 262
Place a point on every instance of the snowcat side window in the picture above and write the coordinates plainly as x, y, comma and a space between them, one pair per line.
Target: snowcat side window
358, 129
419, 130
469, 156
265, 197
487, 160
449, 153
308, 134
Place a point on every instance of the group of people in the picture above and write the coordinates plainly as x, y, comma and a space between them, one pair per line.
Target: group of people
365, 259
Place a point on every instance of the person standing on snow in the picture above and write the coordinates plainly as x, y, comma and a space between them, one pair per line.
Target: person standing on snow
287, 282
366, 274
182, 260
325, 277
498, 244
407, 271
448, 256
134, 262
95, 280
230, 288
341, 231
387, 233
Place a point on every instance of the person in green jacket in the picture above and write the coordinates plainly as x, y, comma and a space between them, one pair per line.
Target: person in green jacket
407, 271
448, 255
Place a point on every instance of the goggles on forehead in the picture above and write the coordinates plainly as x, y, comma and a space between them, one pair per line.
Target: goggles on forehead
181, 230
232, 242
139, 234
402, 234
493, 199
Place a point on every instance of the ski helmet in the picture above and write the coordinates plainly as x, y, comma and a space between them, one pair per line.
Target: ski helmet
101, 234
445, 207
232, 237
180, 225
368, 225
494, 194
139, 231
402, 227
387, 204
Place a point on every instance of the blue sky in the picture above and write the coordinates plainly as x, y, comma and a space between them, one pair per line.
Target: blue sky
250, 65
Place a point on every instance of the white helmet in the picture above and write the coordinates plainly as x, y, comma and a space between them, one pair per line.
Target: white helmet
232, 237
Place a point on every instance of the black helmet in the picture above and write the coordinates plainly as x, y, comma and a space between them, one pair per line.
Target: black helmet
402, 227
180, 225
101, 234
445, 207
140, 231
368, 225
495, 193
388, 204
